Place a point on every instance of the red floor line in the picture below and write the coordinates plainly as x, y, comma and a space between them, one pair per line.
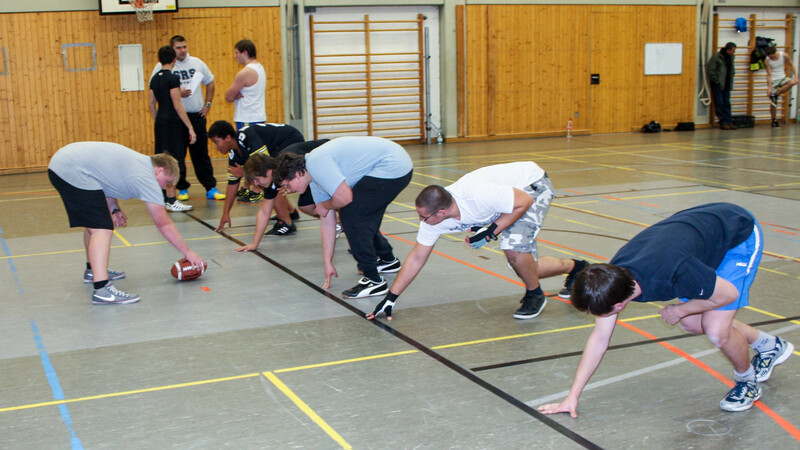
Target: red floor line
785, 424
573, 249
779, 226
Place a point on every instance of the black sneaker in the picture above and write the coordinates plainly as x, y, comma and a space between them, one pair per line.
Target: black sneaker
294, 216
366, 288
532, 306
565, 292
242, 194
254, 197
775, 123
282, 228
388, 266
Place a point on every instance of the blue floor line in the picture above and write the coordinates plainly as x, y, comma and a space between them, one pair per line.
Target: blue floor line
11, 265
55, 386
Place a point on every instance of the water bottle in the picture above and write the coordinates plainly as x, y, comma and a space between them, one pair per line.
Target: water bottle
569, 128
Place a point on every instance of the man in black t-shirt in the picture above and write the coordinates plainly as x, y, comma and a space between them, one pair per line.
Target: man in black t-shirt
269, 138
170, 118
707, 257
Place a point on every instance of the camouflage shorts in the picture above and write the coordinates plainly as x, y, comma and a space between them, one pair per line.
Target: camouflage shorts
521, 235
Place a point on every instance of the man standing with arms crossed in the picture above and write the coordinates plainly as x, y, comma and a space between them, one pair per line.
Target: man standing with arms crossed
192, 72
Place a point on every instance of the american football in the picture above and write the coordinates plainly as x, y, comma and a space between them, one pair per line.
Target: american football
183, 270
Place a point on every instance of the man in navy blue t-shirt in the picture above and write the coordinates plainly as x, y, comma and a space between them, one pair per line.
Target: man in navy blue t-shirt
707, 257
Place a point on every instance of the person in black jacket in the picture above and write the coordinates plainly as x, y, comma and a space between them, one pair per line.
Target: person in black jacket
720, 77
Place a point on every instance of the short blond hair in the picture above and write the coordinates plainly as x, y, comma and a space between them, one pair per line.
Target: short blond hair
166, 162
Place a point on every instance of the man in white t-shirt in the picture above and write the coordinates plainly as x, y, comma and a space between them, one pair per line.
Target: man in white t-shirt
505, 200
248, 90
777, 81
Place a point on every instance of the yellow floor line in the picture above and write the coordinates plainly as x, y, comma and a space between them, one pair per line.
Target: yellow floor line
307, 410
124, 241
345, 361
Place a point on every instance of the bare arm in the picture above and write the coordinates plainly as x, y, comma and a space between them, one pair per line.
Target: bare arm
168, 229
230, 197
328, 232
724, 293
262, 220
209, 98
593, 353
152, 104
245, 77
522, 202
341, 198
175, 95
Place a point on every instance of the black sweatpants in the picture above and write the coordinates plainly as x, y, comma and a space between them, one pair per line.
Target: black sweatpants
199, 153
361, 221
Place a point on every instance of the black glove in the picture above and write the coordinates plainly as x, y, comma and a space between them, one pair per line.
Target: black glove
482, 237
385, 306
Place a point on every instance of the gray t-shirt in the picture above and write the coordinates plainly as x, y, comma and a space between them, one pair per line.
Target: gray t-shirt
120, 172
352, 158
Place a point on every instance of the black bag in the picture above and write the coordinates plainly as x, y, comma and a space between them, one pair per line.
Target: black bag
685, 126
652, 127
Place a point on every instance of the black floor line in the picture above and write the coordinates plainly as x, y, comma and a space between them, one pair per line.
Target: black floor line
612, 347
466, 373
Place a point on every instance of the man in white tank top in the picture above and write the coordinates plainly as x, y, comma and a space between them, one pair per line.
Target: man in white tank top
777, 81
249, 87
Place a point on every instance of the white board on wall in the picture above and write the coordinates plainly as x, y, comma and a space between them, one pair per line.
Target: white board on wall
131, 75
663, 58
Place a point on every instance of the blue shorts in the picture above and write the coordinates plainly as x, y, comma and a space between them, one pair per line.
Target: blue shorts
739, 267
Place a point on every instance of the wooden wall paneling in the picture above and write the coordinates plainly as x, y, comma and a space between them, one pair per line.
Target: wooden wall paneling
63, 107
477, 70
460, 75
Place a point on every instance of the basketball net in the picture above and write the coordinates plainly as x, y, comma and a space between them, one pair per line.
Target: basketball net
144, 9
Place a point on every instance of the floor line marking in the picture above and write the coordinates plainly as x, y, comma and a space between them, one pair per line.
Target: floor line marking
345, 361
307, 410
55, 387
119, 236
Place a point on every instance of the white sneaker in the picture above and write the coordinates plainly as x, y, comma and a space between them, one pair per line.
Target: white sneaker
178, 206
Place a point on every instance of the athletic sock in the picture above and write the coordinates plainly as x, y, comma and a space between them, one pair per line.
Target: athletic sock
88, 266
100, 284
764, 343
750, 375
537, 291
170, 200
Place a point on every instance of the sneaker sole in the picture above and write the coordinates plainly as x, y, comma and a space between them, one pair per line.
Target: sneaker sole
531, 316
782, 359
122, 302
566, 297
395, 270
369, 293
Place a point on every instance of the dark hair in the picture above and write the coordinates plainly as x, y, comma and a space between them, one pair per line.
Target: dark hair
601, 286
166, 54
221, 129
730, 46
257, 166
289, 165
246, 45
176, 38
433, 198
771, 50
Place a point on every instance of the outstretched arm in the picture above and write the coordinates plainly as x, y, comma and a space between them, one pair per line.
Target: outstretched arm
168, 229
593, 353
413, 264
262, 220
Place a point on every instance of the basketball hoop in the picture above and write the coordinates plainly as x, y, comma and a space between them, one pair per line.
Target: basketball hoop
144, 9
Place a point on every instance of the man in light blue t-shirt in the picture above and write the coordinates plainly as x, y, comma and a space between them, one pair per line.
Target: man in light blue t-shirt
91, 177
359, 176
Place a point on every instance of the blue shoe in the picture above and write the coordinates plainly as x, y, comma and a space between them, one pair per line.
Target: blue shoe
183, 194
214, 194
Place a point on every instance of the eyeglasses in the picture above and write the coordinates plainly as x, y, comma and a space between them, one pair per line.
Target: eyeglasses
425, 219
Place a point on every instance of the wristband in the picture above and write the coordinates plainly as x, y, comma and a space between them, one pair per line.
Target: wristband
208, 104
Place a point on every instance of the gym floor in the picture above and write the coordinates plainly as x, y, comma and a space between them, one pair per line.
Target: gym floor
255, 354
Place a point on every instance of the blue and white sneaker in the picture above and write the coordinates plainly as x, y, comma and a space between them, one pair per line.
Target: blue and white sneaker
88, 276
764, 362
741, 397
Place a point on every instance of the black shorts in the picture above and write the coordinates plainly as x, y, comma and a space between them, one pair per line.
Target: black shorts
86, 209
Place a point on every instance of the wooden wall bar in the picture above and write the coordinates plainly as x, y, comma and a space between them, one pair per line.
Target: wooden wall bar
44, 107
527, 68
